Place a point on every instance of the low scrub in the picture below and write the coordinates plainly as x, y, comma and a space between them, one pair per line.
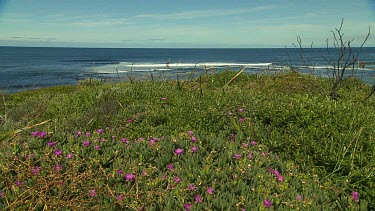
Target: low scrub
260, 141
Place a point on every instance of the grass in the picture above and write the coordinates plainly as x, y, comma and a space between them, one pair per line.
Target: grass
233, 136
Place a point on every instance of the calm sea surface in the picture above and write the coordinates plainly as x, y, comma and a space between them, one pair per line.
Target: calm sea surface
29, 68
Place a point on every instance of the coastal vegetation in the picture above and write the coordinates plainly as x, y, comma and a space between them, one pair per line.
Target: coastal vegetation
223, 141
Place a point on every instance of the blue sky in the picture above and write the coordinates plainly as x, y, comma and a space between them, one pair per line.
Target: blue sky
191, 23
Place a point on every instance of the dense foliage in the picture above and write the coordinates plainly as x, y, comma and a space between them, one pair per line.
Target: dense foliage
262, 141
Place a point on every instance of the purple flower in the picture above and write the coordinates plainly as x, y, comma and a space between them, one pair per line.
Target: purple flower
28, 156
100, 131
264, 154
152, 142
86, 143
88, 134
240, 110
245, 145
177, 179
130, 120
97, 147
35, 133
187, 206
93, 193
120, 197
194, 149
250, 156
355, 196
267, 203
57, 152
210, 190
58, 167
125, 141
253, 143
232, 137
69, 156
178, 151
242, 119
129, 177
191, 133
35, 170
42, 134
276, 172
193, 139
119, 171
170, 166
164, 99
51, 144
299, 197
192, 187
39, 134
237, 156
79, 133
280, 178
18, 183
1, 194
198, 198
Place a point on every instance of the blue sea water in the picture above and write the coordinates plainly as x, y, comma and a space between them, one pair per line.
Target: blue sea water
23, 68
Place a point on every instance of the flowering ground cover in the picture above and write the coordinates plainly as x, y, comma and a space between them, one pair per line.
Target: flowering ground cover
270, 142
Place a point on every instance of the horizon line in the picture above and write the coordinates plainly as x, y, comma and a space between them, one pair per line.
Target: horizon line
291, 47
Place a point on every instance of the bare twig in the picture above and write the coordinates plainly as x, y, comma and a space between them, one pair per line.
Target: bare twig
371, 93
5, 109
346, 58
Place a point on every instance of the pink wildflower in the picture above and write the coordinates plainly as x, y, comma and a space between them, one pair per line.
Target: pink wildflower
130, 177
267, 203
178, 151
210, 190
237, 156
198, 198
93, 193
355, 196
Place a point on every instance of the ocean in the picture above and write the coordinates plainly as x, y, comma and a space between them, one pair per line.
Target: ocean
25, 68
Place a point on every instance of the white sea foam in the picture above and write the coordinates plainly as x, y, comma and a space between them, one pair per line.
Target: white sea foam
124, 67
192, 65
162, 69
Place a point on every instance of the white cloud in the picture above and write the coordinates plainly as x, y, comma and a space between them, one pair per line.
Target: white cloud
100, 22
192, 14
152, 40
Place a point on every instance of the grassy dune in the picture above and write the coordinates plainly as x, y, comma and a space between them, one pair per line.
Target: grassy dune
260, 142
